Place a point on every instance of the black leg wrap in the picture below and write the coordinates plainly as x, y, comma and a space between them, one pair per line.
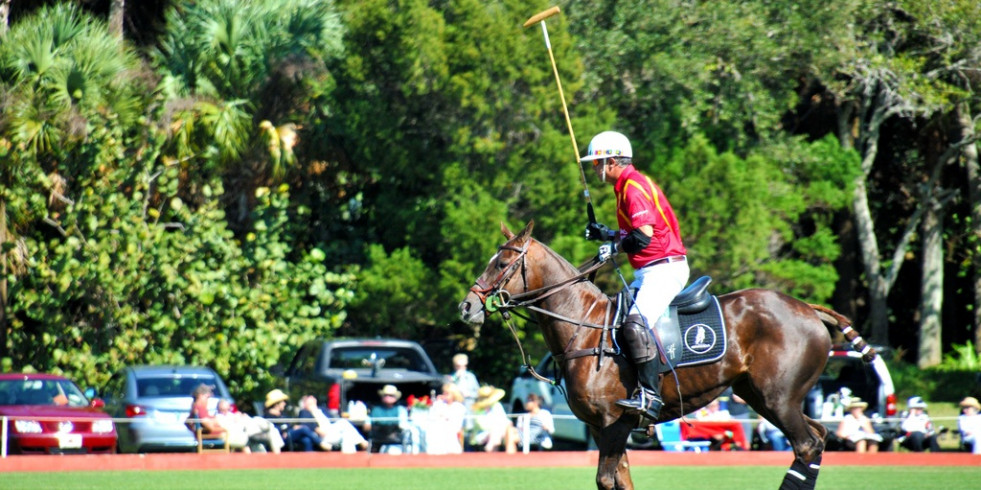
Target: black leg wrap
800, 476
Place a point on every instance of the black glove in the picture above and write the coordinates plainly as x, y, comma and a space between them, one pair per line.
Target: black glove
598, 231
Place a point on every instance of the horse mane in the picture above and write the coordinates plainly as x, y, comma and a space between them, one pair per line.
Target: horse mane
568, 268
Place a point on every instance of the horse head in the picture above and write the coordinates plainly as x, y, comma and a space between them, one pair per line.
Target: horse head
502, 276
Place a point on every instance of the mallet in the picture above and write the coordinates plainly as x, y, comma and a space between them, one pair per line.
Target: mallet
540, 17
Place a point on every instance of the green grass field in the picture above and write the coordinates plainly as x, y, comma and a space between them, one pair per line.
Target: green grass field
673, 478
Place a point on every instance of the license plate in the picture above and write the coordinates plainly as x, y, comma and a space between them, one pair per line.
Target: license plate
69, 441
167, 417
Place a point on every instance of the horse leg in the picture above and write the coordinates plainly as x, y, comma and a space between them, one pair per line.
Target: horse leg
804, 434
613, 471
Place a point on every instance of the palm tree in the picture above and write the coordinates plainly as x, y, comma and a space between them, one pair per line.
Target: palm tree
226, 67
67, 86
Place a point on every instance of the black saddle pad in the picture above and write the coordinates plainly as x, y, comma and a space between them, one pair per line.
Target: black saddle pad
702, 336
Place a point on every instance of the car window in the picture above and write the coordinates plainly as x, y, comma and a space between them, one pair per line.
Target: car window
388, 358
42, 392
169, 386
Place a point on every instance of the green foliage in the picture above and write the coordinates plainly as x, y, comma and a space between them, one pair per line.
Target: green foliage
391, 297
748, 233
941, 383
963, 357
170, 286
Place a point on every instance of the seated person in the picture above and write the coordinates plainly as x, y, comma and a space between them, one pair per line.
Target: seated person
855, 428
772, 436
297, 437
339, 432
491, 428
917, 432
446, 419
246, 431
714, 412
388, 423
969, 424
200, 415
537, 423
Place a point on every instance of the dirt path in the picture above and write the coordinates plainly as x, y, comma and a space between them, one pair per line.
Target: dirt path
555, 459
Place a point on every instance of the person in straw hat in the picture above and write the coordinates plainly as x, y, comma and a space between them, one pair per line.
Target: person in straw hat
855, 429
388, 422
969, 424
297, 437
490, 426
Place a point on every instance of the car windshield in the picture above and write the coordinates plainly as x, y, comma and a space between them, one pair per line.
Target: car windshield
384, 357
171, 385
41, 392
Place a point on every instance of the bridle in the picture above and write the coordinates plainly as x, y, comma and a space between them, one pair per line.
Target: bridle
494, 298
494, 293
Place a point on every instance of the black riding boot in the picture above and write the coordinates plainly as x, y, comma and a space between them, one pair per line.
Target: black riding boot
642, 351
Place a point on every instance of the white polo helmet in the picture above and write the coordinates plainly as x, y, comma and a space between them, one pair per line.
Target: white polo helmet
606, 145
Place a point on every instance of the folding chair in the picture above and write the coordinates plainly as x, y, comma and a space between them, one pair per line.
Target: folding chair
669, 434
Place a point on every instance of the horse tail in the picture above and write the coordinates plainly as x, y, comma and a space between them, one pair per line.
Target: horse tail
832, 317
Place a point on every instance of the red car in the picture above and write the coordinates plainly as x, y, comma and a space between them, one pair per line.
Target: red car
49, 414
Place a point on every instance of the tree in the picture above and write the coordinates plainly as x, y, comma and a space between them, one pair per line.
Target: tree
227, 68
117, 11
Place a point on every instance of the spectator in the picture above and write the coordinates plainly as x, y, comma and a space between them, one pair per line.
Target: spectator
738, 410
918, 434
465, 380
537, 424
713, 411
200, 415
244, 430
388, 423
339, 432
855, 429
772, 436
445, 434
491, 428
969, 424
298, 437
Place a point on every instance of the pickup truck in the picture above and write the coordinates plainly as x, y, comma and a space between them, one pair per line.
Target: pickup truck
338, 371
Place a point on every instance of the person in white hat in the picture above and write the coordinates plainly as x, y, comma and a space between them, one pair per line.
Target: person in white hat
969, 424
650, 236
918, 434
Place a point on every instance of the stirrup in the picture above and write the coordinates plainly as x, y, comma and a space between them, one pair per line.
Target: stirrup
646, 403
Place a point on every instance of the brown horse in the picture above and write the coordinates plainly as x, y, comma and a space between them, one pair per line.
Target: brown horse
777, 348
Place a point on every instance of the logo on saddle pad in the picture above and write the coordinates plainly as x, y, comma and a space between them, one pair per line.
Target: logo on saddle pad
699, 338
693, 330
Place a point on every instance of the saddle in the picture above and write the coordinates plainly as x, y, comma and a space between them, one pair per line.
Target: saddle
692, 333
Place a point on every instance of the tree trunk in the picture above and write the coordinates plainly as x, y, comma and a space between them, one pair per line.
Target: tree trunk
931, 286
969, 155
863, 134
116, 10
3, 279
4, 16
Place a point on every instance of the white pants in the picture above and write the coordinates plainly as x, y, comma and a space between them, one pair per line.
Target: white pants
343, 432
656, 286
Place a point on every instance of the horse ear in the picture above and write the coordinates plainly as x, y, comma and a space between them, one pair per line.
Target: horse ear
507, 232
525, 233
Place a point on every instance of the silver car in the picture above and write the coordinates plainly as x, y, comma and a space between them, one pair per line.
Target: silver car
156, 400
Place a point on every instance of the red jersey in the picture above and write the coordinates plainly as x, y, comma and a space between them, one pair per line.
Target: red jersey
641, 202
